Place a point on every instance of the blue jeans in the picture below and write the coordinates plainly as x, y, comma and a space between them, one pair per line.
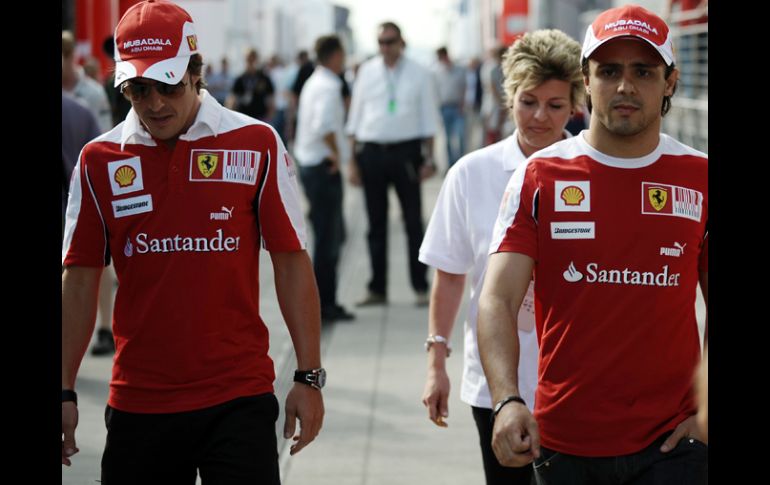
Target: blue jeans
454, 127
686, 464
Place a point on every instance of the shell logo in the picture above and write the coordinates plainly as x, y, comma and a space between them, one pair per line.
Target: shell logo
125, 176
572, 195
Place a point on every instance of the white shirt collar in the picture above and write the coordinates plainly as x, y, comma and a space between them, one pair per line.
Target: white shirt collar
618, 162
328, 74
512, 154
206, 123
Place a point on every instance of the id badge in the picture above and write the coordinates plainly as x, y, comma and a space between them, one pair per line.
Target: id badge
392, 106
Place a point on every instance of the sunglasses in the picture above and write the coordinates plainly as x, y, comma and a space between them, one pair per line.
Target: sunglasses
139, 91
389, 41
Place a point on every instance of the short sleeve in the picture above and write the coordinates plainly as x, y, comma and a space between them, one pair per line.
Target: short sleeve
447, 245
279, 203
85, 234
516, 227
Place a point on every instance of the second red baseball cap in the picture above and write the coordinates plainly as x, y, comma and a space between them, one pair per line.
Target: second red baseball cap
629, 21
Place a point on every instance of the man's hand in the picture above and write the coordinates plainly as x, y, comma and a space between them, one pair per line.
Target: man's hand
686, 429
515, 437
69, 421
306, 404
354, 176
427, 170
334, 166
435, 397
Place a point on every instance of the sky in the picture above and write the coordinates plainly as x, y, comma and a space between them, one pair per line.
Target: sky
422, 22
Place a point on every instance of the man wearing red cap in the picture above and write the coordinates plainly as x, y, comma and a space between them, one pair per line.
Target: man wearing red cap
614, 224
180, 195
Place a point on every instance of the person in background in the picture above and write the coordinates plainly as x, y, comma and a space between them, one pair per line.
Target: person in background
252, 92
450, 80
322, 151
393, 117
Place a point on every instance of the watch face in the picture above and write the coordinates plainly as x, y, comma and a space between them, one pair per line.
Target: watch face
321, 375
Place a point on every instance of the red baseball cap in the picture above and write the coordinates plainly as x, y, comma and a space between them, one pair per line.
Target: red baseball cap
154, 39
629, 21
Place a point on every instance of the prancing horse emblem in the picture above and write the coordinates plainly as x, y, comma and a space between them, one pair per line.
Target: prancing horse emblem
207, 163
658, 197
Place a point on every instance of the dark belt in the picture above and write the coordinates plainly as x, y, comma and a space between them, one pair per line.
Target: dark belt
392, 146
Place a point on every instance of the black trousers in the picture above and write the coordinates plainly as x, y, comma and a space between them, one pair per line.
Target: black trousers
495, 473
382, 166
686, 464
232, 443
324, 192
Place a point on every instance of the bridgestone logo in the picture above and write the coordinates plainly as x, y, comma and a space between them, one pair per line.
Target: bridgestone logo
138, 205
132, 206
577, 230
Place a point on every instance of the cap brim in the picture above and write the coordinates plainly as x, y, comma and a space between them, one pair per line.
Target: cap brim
169, 71
668, 60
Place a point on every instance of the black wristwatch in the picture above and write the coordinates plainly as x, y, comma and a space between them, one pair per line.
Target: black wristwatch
315, 378
69, 395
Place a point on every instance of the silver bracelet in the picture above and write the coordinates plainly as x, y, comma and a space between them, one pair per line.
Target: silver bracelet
437, 339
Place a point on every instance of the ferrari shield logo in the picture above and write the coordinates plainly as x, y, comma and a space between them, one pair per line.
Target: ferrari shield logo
207, 163
658, 197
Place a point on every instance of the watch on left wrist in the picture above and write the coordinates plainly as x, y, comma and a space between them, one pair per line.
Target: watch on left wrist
315, 378
69, 395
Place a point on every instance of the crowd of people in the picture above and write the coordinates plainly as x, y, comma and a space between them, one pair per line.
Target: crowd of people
572, 375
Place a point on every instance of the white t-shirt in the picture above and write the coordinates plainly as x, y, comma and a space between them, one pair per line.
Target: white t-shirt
457, 241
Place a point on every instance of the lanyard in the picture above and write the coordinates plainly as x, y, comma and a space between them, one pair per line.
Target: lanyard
391, 78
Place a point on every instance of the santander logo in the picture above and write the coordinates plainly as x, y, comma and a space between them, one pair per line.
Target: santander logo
572, 275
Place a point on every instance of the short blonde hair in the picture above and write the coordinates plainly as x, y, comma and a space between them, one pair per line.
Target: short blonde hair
541, 56
67, 44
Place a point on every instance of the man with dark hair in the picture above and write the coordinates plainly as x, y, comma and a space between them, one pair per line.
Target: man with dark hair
614, 223
252, 91
321, 151
450, 81
393, 114
180, 195
306, 68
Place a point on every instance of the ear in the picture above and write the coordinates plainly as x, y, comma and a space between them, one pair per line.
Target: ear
671, 82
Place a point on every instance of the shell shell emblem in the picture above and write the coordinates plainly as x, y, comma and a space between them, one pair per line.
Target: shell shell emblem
572, 195
125, 176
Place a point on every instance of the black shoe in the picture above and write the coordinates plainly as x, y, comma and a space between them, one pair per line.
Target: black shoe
335, 313
105, 343
373, 299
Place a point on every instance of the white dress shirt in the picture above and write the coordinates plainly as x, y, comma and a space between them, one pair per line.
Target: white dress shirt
321, 111
392, 105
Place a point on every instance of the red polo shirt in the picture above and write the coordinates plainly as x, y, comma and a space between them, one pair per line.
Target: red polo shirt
183, 227
618, 246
